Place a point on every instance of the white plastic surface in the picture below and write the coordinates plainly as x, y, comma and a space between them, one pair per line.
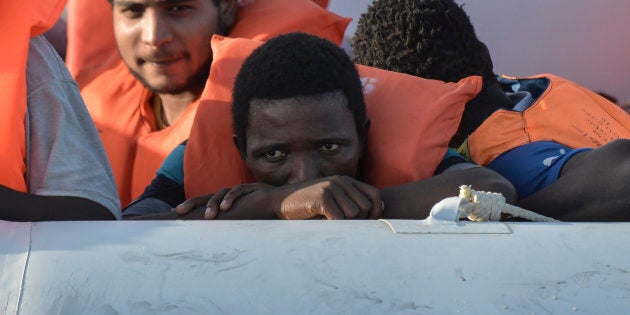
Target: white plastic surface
14, 249
321, 267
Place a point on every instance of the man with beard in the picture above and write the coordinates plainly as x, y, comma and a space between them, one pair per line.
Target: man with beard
143, 99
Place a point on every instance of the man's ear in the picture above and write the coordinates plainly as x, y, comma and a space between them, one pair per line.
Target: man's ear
228, 10
240, 144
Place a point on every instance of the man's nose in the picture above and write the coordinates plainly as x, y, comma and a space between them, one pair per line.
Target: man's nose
155, 31
304, 168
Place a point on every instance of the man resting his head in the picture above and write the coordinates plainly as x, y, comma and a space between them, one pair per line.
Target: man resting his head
300, 126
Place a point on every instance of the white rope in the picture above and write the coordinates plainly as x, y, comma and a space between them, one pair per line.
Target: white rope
488, 206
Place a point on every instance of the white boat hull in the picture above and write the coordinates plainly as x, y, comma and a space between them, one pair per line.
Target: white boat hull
321, 267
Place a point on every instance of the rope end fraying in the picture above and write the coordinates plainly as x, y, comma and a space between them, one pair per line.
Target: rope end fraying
465, 191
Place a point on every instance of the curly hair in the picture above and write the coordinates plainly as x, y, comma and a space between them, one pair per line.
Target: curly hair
432, 39
292, 65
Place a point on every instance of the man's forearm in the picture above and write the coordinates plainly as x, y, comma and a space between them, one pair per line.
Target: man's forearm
19, 206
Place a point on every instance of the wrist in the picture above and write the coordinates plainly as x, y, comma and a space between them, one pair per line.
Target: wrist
272, 201
280, 201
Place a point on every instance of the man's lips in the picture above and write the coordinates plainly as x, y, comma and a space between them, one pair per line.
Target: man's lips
162, 60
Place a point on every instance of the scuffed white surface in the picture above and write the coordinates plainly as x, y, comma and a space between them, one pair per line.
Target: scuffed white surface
431, 225
323, 267
14, 248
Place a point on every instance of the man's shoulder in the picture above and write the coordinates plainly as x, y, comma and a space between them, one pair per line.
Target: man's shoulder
44, 64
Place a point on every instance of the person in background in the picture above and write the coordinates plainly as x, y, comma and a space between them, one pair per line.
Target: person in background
53, 163
300, 125
568, 161
143, 95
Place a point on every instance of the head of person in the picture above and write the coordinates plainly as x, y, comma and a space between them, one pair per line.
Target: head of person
298, 111
432, 39
166, 43
608, 96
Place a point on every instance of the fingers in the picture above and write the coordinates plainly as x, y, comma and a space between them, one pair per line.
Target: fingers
212, 206
378, 212
234, 194
346, 199
351, 199
191, 204
224, 199
363, 201
373, 194
335, 198
330, 209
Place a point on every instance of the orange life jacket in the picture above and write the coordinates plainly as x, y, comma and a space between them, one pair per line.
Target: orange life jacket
412, 121
263, 19
19, 21
90, 33
565, 112
123, 115
91, 39
322, 3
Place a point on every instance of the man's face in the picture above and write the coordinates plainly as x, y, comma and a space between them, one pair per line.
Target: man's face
298, 139
166, 43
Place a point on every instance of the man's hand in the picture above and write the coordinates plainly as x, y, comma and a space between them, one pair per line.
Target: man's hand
335, 197
191, 204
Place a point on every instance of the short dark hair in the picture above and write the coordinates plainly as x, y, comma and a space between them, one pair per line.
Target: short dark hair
292, 65
432, 39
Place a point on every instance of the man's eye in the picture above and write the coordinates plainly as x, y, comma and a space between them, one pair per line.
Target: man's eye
329, 147
133, 11
178, 8
275, 155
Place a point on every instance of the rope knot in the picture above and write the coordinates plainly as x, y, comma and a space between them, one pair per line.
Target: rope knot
488, 206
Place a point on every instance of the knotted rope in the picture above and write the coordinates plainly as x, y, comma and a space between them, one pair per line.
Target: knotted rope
488, 206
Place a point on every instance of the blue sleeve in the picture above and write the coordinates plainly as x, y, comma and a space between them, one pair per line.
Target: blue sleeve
450, 152
173, 166
450, 158
166, 189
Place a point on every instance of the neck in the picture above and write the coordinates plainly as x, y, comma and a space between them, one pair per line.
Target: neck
490, 99
174, 105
